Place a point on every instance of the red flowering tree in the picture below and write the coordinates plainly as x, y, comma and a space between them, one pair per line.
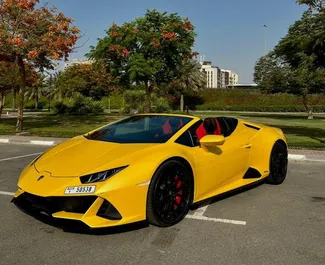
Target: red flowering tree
32, 35
148, 50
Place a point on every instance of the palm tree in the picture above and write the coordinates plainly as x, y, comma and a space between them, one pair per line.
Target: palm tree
35, 91
191, 79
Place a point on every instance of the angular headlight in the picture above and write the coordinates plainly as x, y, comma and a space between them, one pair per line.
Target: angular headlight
101, 176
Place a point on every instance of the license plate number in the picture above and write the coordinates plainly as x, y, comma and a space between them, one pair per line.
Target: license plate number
80, 189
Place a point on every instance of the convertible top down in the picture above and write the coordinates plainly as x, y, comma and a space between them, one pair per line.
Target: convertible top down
150, 167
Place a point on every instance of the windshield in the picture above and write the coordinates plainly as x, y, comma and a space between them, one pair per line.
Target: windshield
141, 129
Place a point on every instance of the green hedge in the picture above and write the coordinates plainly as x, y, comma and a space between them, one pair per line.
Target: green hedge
253, 100
294, 108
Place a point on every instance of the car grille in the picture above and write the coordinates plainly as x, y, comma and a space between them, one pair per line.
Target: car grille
50, 205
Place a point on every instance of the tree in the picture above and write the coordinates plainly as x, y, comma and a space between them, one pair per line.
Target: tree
303, 49
314, 5
148, 50
37, 35
190, 79
10, 79
90, 80
273, 75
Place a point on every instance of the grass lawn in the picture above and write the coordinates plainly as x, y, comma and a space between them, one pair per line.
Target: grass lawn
57, 126
300, 132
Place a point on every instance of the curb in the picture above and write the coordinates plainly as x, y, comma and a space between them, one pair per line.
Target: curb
29, 142
296, 157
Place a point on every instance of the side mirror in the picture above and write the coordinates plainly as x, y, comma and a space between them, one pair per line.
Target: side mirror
212, 140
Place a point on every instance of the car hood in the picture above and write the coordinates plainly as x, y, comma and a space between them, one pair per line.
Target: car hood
79, 156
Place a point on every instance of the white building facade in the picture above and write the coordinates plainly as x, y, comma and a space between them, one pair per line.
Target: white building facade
218, 78
77, 62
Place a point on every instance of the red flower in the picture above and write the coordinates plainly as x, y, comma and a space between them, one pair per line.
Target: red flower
125, 52
33, 54
169, 35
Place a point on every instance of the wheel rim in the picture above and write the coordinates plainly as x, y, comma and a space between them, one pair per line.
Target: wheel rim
172, 195
279, 165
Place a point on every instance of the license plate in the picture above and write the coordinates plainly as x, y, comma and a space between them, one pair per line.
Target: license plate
80, 189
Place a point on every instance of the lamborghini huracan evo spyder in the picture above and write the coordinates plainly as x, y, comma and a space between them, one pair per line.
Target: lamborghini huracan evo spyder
150, 167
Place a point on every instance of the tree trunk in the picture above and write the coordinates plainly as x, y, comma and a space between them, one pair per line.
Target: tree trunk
14, 98
2, 102
36, 100
305, 101
148, 96
22, 72
182, 103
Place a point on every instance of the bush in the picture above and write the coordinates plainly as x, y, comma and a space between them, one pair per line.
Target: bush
60, 107
116, 101
135, 102
78, 105
160, 105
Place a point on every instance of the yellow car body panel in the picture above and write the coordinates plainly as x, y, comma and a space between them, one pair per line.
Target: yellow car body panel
216, 169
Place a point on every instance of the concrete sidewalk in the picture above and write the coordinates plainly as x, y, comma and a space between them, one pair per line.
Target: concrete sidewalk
294, 154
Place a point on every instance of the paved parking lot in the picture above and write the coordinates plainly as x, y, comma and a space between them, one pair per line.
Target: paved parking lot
263, 225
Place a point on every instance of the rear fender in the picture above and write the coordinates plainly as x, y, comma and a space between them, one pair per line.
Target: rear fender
262, 145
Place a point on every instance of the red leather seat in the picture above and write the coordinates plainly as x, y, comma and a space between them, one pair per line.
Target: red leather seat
209, 126
167, 128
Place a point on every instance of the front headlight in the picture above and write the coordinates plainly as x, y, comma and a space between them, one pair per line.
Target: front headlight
101, 176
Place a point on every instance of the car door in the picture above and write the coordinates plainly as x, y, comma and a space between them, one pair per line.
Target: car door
220, 165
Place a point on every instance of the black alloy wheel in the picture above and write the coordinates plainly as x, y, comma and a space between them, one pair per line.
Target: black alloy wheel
170, 194
278, 164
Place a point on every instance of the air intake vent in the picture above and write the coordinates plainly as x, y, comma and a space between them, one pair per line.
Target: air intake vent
252, 127
252, 173
108, 211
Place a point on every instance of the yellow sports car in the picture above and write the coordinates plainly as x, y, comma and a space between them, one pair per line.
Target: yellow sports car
150, 167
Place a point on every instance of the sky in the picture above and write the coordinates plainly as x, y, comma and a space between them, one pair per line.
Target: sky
231, 34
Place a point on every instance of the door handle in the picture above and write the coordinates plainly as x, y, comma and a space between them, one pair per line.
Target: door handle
247, 146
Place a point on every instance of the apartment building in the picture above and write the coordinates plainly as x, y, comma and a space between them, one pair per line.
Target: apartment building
218, 78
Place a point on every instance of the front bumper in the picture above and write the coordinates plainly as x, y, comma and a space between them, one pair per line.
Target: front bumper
92, 211
112, 204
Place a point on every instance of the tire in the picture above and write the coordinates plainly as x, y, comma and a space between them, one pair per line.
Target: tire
170, 194
278, 164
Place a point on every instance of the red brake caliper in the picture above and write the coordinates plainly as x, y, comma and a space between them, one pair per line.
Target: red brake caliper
180, 192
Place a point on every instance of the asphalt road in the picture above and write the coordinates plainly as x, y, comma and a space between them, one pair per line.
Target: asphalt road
264, 225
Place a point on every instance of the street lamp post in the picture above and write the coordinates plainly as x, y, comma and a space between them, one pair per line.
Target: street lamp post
265, 38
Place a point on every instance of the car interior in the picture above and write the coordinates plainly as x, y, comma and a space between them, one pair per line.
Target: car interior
218, 126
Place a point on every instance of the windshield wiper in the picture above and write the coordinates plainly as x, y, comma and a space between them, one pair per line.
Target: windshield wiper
87, 136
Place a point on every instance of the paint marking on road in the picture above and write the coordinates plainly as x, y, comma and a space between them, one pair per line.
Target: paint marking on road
216, 220
198, 215
17, 157
4, 141
7, 193
199, 212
